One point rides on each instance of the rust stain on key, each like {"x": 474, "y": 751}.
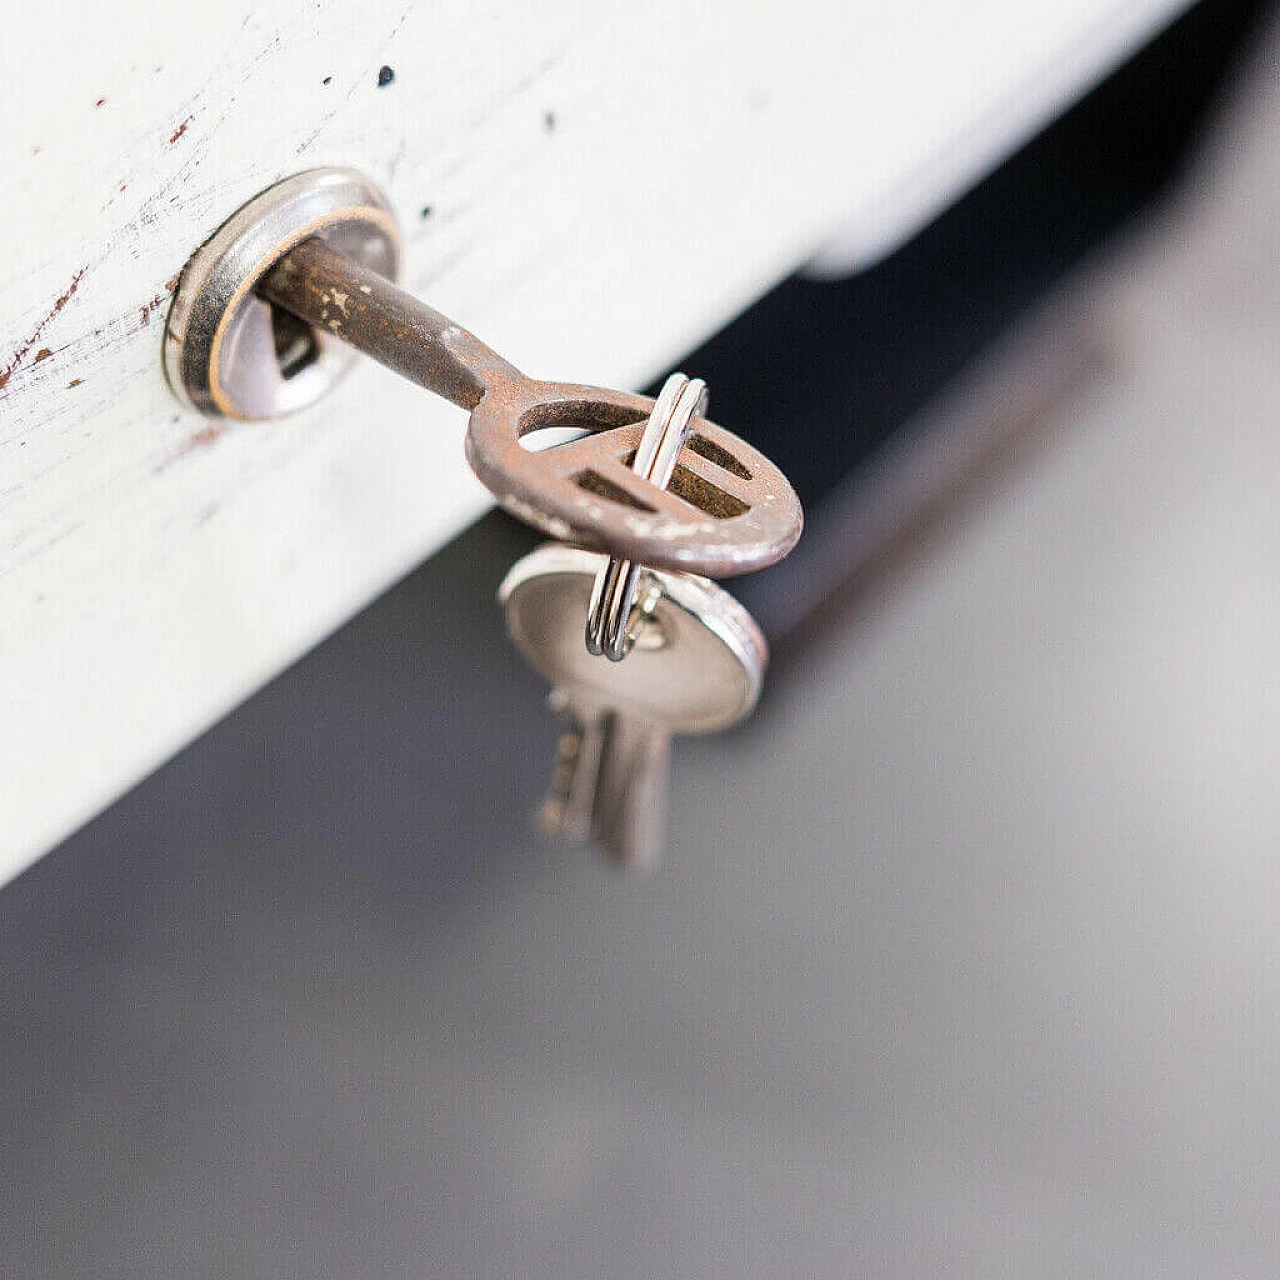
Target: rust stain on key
{"x": 728, "y": 509}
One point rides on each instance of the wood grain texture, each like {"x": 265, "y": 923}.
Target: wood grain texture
{"x": 592, "y": 187}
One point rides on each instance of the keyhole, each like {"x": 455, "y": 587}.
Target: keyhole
{"x": 296, "y": 344}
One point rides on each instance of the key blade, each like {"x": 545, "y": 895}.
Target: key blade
{"x": 566, "y": 811}
{"x": 609, "y": 785}
{"x": 630, "y": 816}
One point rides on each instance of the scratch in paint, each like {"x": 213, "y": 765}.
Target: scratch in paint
{"x": 206, "y": 435}
{"x": 8, "y": 371}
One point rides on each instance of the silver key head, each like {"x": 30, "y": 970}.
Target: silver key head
{"x": 698, "y": 661}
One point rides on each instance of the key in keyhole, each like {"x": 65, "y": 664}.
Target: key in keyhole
{"x": 729, "y": 509}
{"x": 322, "y": 246}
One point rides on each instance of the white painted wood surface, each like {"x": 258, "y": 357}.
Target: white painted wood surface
{"x": 593, "y": 187}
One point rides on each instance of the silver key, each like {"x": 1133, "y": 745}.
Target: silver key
{"x": 696, "y": 666}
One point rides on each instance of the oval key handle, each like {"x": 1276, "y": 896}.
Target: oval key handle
{"x": 267, "y": 309}
{"x": 727, "y": 509}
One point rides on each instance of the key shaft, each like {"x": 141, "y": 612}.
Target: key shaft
{"x": 335, "y": 293}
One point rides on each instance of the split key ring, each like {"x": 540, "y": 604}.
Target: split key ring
{"x": 613, "y": 596}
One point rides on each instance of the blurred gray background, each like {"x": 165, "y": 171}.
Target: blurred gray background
{"x": 963, "y": 959}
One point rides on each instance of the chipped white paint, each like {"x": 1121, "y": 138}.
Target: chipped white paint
{"x": 592, "y": 187}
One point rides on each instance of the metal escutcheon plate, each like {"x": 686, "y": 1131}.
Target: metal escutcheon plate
{"x": 697, "y": 665}
{"x": 224, "y": 351}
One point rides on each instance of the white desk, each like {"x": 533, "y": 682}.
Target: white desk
{"x": 155, "y": 569}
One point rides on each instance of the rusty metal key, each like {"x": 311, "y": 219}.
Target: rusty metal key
{"x": 726, "y": 509}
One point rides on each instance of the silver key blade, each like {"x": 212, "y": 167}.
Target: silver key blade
{"x": 630, "y": 814}
{"x": 609, "y": 785}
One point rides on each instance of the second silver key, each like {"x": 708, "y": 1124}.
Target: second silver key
{"x": 697, "y": 667}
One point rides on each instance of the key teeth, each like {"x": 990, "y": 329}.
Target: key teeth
{"x": 556, "y": 815}
{"x": 608, "y": 788}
